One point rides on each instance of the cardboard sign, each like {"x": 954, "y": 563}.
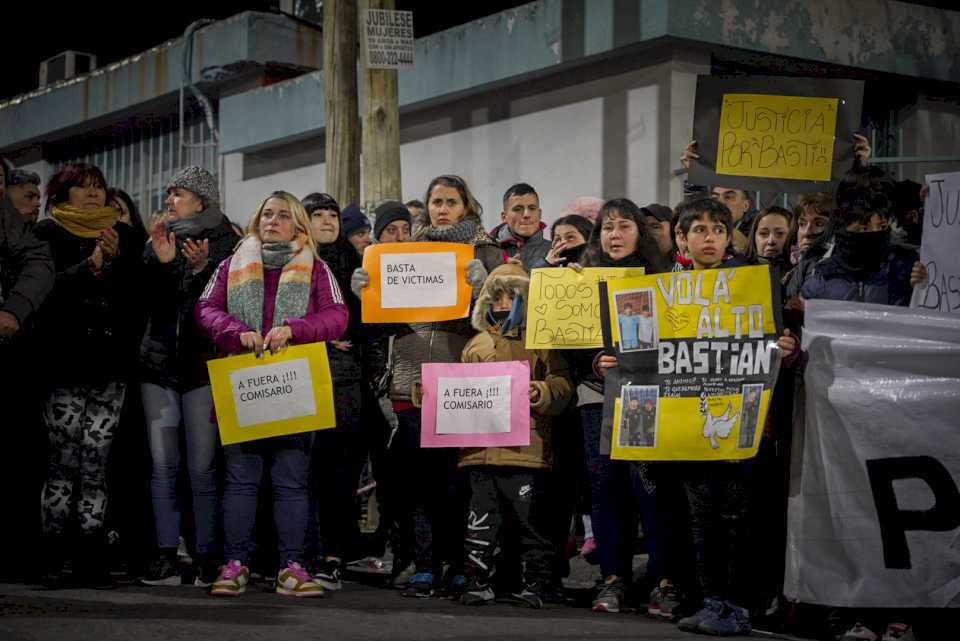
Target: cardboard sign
{"x": 416, "y": 282}
{"x": 564, "y": 307}
{"x": 475, "y": 404}
{"x": 791, "y": 135}
{"x": 941, "y": 233}
{"x": 696, "y": 372}
{"x": 286, "y": 393}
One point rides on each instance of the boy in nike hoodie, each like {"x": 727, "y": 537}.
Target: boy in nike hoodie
{"x": 508, "y": 484}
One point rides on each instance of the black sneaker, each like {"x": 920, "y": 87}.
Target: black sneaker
{"x": 328, "y": 575}
{"x": 207, "y": 573}
{"x": 161, "y": 572}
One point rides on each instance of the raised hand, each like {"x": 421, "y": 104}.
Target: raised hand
{"x": 164, "y": 244}
{"x": 196, "y": 253}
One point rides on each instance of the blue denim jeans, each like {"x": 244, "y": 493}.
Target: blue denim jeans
{"x": 288, "y": 458}
{"x": 167, "y": 412}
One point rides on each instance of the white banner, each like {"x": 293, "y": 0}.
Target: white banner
{"x": 874, "y": 501}
{"x": 941, "y": 236}
{"x": 273, "y": 392}
{"x": 418, "y": 280}
{"x": 474, "y": 405}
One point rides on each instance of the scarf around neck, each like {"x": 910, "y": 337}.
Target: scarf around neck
{"x": 245, "y": 280}
{"x": 464, "y": 231}
{"x": 85, "y": 223}
{"x": 193, "y": 227}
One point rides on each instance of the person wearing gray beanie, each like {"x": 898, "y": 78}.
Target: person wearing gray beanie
{"x": 386, "y": 214}
{"x": 199, "y": 181}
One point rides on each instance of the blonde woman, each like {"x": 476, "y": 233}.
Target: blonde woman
{"x": 274, "y": 291}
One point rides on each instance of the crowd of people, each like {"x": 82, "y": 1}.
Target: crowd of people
{"x": 107, "y": 324}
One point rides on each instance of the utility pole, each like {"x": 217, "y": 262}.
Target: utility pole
{"x": 340, "y": 98}
{"x": 381, "y": 125}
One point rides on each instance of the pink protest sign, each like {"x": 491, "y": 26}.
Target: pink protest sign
{"x": 476, "y": 404}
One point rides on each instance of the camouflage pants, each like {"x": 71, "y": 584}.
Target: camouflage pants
{"x": 80, "y": 422}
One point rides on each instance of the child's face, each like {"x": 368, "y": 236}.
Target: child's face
{"x": 504, "y": 303}
{"x": 634, "y": 403}
{"x": 628, "y": 311}
{"x": 876, "y": 222}
{"x": 707, "y": 242}
{"x": 810, "y": 227}
{"x": 648, "y": 405}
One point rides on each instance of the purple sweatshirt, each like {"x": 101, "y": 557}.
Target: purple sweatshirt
{"x": 325, "y": 320}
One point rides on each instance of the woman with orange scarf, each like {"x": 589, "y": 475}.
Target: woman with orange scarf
{"x": 87, "y": 338}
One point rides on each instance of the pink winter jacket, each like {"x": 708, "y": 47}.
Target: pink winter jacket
{"x": 325, "y": 320}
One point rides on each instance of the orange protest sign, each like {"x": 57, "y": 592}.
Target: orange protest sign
{"x": 416, "y": 282}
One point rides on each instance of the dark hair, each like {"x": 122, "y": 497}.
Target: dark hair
{"x": 7, "y": 168}
{"x": 647, "y": 250}
{"x": 16, "y": 177}
{"x": 317, "y": 200}
{"x": 520, "y": 189}
{"x": 456, "y": 182}
{"x": 72, "y": 175}
{"x": 692, "y": 210}
{"x": 115, "y": 193}
{"x": 583, "y": 225}
{"x": 751, "y": 254}
{"x": 414, "y": 203}
{"x": 863, "y": 192}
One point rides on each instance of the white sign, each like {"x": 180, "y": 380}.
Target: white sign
{"x": 874, "y": 518}
{"x": 273, "y": 392}
{"x": 475, "y": 405}
{"x": 941, "y": 235}
{"x": 388, "y": 38}
{"x": 418, "y": 280}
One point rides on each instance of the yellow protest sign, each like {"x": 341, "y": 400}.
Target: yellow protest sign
{"x": 773, "y": 136}
{"x": 697, "y": 363}
{"x": 563, "y": 311}
{"x": 416, "y": 282}
{"x": 284, "y": 393}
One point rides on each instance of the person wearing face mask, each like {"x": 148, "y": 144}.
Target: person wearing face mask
{"x": 86, "y": 330}
{"x": 274, "y": 291}
{"x": 185, "y": 247}
{"x": 862, "y": 264}
{"x": 569, "y": 234}
{"x": 620, "y": 238}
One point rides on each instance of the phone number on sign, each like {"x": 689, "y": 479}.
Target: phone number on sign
{"x": 391, "y": 58}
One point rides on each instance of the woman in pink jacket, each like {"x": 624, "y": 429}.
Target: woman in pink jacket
{"x": 272, "y": 292}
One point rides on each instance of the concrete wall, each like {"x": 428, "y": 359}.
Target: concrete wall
{"x": 931, "y": 128}
{"x": 615, "y": 136}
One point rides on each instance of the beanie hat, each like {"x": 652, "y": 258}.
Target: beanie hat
{"x": 199, "y": 181}
{"x": 388, "y": 212}
{"x": 660, "y": 212}
{"x": 353, "y": 221}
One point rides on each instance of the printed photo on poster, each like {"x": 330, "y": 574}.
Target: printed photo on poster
{"x": 636, "y": 312}
{"x": 749, "y": 414}
{"x": 640, "y": 406}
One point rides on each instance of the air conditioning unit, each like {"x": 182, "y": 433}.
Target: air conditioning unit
{"x": 66, "y": 65}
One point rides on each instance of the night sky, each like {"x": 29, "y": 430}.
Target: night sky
{"x": 29, "y": 35}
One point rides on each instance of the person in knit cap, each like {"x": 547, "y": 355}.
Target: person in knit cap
{"x": 391, "y": 222}
{"x": 86, "y": 331}
{"x": 356, "y": 228}
{"x": 185, "y": 246}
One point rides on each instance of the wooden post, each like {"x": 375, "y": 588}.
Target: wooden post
{"x": 381, "y": 125}
{"x": 340, "y": 98}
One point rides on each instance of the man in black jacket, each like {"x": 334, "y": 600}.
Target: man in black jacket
{"x": 26, "y": 271}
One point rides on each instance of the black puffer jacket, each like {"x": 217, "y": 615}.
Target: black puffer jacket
{"x": 345, "y": 367}
{"x": 26, "y": 269}
{"x": 87, "y": 329}
{"x": 174, "y": 352}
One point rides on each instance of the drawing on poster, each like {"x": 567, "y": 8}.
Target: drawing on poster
{"x": 716, "y": 426}
{"x": 640, "y": 405}
{"x": 749, "y": 414}
{"x": 637, "y": 320}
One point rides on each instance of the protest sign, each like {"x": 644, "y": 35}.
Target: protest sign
{"x": 284, "y": 393}
{"x": 564, "y": 307}
{"x": 697, "y": 360}
{"x": 772, "y": 133}
{"x": 475, "y": 404}
{"x": 416, "y": 282}
{"x": 941, "y": 237}
{"x": 874, "y": 508}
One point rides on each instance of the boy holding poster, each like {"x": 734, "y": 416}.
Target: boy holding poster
{"x": 718, "y": 492}
{"x": 508, "y": 483}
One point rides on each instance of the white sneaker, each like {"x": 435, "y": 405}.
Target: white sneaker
{"x": 294, "y": 580}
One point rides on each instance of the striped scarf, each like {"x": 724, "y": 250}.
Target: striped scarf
{"x": 245, "y": 280}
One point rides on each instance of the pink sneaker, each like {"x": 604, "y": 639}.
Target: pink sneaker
{"x": 232, "y": 581}
{"x": 589, "y": 549}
